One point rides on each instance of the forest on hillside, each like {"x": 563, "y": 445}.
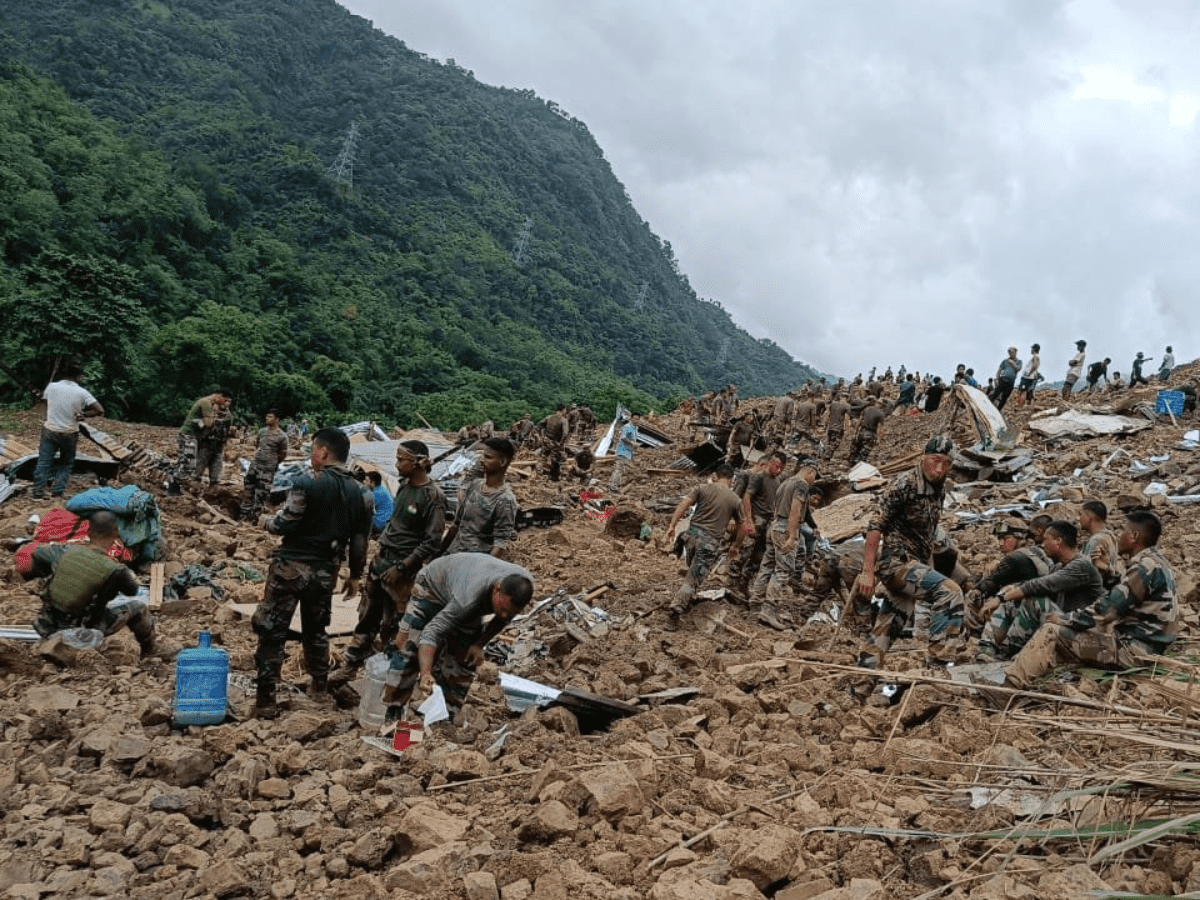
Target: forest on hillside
{"x": 169, "y": 214}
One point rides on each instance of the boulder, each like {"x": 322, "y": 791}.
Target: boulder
{"x": 548, "y": 822}
{"x": 426, "y": 826}
{"x": 611, "y": 791}
{"x": 766, "y": 855}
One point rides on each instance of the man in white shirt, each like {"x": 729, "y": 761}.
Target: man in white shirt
{"x": 67, "y": 402}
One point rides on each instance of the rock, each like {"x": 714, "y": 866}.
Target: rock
{"x": 520, "y": 889}
{"x": 370, "y": 849}
{"x": 426, "y": 826}
{"x": 306, "y": 726}
{"x": 154, "y": 711}
{"x": 274, "y": 789}
{"x": 480, "y": 886}
{"x": 49, "y": 697}
{"x": 107, "y": 814}
{"x": 183, "y": 856}
{"x": 264, "y": 827}
{"x": 861, "y": 889}
{"x": 616, "y": 867}
{"x": 340, "y": 801}
{"x": 612, "y": 791}
{"x": 222, "y": 879}
{"x": 427, "y": 873}
{"x": 712, "y": 765}
{"x": 463, "y": 765}
{"x": 766, "y": 854}
{"x": 176, "y": 764}
{"x": 548, "y": 822}
{"x": 805, "y": 890}
{"x": 127, "y": 749}
{"x": 682, "y": 884}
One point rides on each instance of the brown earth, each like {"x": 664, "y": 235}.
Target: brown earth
{"x": 786, "y": 773}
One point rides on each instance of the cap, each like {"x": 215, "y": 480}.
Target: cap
{"x": 1081, "y": 344}
{"x": 940, "y": 443}
{"x": 1004, "y": 528}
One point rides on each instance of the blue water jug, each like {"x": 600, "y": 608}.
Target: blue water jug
{"x": 201, "y": 677}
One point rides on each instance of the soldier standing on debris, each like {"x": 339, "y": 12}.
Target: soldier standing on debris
{"x": 555, "y": 428}
{"x": 1072, "y": 584}
{"x": 758, "y": 507}
{"x": 627, "y": 439}
{"x": 781, "y": 418}
{"x": 82, "y": 586}
{"x": 410, "y": 539}
{"x": 741, "y": 435}
{"x": 717, "y": 508}
{"x": 1101, "y": 547}
{"x": 326, "y": 514}
{"x": 210, "y": 444}
{"x": 67, "y": 401}
{"x": 1137, "y": 618}
{"x": 485, "y": 519}
{"x": 201, "y": 418}
{"x": 792, "y": 508}
{"x": 1074, "y": 369}
{"x": 442, "y": 632}
{"x": 898, "y": 551}
{"x": 271, "y": 450}
{"x": 868, "y": 431}
{"x": 838, "y": 410}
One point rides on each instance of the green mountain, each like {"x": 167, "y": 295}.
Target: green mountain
{"x": 173, "y": 211}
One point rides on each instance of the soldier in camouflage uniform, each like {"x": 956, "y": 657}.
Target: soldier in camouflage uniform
{"x": 717, "y": 507}
{"x": 1072, "y": 584}
{"x": 769, "y": 592}
{"x": 442, "y": 631}
{"x": 326, "y": 514}
{"x": 485, "y": 517}
{"x": 210, "y": 444}
{"x": 838, "y": 410}
{"x": 200, "y": 419}
{"x": 899, "y": 549}
{"x": 411, "y": 538}
{"x": 271, "y": 450}
{"x": 1137, "y": 618}
{"x": 1101, "y": 546}
{"x": 1023, "y": 560}
{"x": 758, "y": 509}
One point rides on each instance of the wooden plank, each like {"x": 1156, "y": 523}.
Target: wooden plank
{"x": 156, "y": 584}
{"x": 209, "y": 508}
{"x": 341, "y": 622}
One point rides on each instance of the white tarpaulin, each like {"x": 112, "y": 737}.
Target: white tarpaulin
{"x": 1074, "y": 423}
{"x": 988, "y": 419}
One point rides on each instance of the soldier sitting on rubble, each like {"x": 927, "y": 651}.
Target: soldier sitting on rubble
{"x": 1023, "y": 560}
{"x": 82, "y": 583}
{"x": 1136, "y": 619}
{"x": 1072, "y": 584}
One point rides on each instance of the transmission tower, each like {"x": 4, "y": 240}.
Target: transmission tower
{"x": 342, "y": 170}
{"x": 518, "y": 256}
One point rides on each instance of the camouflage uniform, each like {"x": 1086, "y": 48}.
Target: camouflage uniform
{"x": 907, "y": 518}
{"x": 1066, "y": 588}
{"x": 325, "y": 514}
{"x": 716, "y": 504}
{"x": 1138, "y": 617}
{"x": 445, "y": 610}
{"x": 1021, "y": 565}
{"x": 1101, "y": 548}
{"x": 189, "y": 435}
{"x": 210, "y": 446}
{"x": 486, "y": 519}
{"x": 81, "y": 590}
{"x": 272, "y": 449}
{"x": 779, "y": 566}
{"x": 762, "y": 489}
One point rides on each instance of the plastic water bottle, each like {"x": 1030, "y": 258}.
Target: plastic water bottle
{"x": 372, "y": 711}
{"x": 201, "y": 680}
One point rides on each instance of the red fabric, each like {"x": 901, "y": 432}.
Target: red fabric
{"x": 60, "y": 526}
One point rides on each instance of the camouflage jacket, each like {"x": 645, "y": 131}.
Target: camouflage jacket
{"x": 1022, "y": 564}
{"x": 907, "y": 518}
{"x": 1142, "y": 607}
{"x": 1101, "y": 548}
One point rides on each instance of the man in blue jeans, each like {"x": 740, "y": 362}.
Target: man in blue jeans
{"x": 67, "y": 402}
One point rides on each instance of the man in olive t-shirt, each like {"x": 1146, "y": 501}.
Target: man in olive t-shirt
{"x": 717, "y": 506}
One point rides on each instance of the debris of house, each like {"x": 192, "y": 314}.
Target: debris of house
{"x": 1078, "y": 424}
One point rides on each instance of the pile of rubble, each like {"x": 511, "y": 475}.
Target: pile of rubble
{"x": 758, "y": 763}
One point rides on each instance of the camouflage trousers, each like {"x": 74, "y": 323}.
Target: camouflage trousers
{"x": 185, "y": 465}
{"x": 745, "y": 567}
{"x": 210, "y": 458}
{"x": 256, "y": 493}
{"x": 131, "y": 612}
{"x": 778, "y": 567}
{"x": 1055, "y": 645}
{"x": 379, "y": 607}
{"x": 451, "y": 671}
{"x": 290, "y": 583}
{"x": 618, "y": 474}
{"x": 704, "y": 553}
{"x": 833, "y": 439}
{"x": 864, "y": 443}
{"x": 932, "y": 601}
{"x": 1012, "y": 625}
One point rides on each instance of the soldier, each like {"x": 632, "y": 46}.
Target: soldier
{"x": 485, "y": 518}
{"x": 741, "y": 435}
{"x": 1137, "y": 618}
{"x": 521, "y": 429}
{"x": 411, "y": 538}
{"x": 758, "y": 508}
{"x": 200, "y": 419}
{"x": 1072, "y": 584}
{"x": 868, "y": 431}
{"x": 210, "y": 443}
{"x": 1101, "y": 546}
{"x": 555, "y": 429}
{"x": 271, "y": 449}
{"x": 326, "y": 514}
{"x": 783, "y": 544}
{"x": 717, "y": 508}
{"x": 838, "y": 410}
{"x": 781, "y": 418}
{"x": 1023, "y": 560}
{"x": 898, "y": 551}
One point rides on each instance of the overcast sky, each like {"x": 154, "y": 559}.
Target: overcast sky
{"x": 866, "y": 183}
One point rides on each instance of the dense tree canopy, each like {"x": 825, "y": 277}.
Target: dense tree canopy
{"x": 167, "y": 213}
